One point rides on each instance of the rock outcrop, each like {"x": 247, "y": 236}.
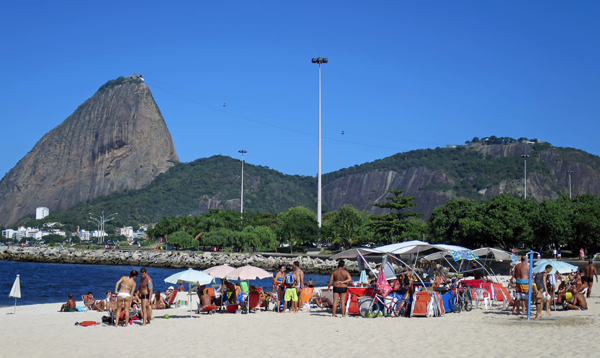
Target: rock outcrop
{"x": 114, "y": 141}
{"x": 168, "y": 259}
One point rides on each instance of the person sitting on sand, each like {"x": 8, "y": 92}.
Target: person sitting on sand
{"x": 69, "y": 306}
{"x": 578, "y": 303}
{"x": 111, "y": 302}
{"x": 262, "y": 298}
{"x": 158, "y": 302}
{"x": 320, "y": 301}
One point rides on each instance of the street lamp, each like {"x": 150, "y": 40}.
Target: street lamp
{"x": 242, "y": 199}
{"x": 319, "y": 60}
{"x": 569, "y": 172}
{"x": 100, "y": 221}
{"x": 525, "y": 156}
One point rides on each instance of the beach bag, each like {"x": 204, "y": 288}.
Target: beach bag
{"x": 290, "y": 279}
{"x": 383, "y": 287}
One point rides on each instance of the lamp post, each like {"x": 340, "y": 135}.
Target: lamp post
{"x": 100, "y": 221}
{"x": 242, "y": 195}
{"x": 320, "y": 61}
{"x": 525, "y": 156}
{"x": 569, "y": 172}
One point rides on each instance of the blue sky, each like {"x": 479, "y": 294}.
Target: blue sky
{"x": 401, "y": 75}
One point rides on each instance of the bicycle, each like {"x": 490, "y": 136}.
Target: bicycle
{"x": 369, "y": 307}
{"x": 463, "y": 300}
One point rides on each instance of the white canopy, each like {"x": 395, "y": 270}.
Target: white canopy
{"x": 444, "y": 251}
{"x": 499, "y": 255}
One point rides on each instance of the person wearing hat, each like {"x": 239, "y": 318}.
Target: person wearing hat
{"x": 169, "y": 294}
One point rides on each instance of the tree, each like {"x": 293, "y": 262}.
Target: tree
{"x": 498, "y": 224}
{"x": 551, "y": 223}
{"x": 444, "y": 224}
{"x": 347, "y": 226}
{"x": 586, "y": 222}
{"x": 299, "y": 225}
{"x": 183, "y": 240}
{"x": 53, "y": 239}
{"x": 399, "y": 225}
{"x": 259, "y": 237}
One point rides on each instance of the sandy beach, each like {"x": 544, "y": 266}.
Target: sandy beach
{"x": 40, "y": 331}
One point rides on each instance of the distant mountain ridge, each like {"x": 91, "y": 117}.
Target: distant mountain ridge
{"x": 114, "y": 141}
{"x": 477, "y": 171}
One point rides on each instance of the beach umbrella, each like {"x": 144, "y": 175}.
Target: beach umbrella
{"x": 190, "y": 276}
{"x": 219, "y": 271}
{"x": 16, "y": 291}
{"x": 248, "y": 272}
{"x": 557, "y": 266}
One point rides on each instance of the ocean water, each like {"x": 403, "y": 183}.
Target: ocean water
{"x": 52, "y": 283}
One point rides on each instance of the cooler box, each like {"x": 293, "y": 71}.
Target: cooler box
{"x": 232, "y": 308}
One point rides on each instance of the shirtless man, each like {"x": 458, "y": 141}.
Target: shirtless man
{"x": 124, "y": 295}
{"x": 299, "y": 277}
{"x": 279, "y": 285}
{"x": 146, "y": 292}
{"x": 521, "y": 275}
{"x": 69, "y": 306}
{"x": 340, "y": 278}
{"x": 579, "y": 302}
{"x": 228, "y": 287}
{"x": 590, "y": 272}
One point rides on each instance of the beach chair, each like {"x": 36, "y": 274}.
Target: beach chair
{"x": 327, "y": 293}
{"x": 253, "y": 300}
{"x": 305, "y": 296}
{"x": 481, "y": 295}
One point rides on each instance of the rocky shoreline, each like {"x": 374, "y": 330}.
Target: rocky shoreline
{"x": 166, "y": 259}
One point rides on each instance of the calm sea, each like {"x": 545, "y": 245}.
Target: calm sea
{"x": 49, "y": 283}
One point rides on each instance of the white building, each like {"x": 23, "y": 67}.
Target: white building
{"x": 99, "y": 233}
{"x": 41, "y": 212}
{"x": 84, "y": 235}
{"x": 21, "y": 232}
{"x": 126, "y": 231}
{"x": 8, "y": 233}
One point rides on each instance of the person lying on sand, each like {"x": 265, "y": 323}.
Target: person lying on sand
{"x": 91, "y": 303}
{"x": 69, "y": 306}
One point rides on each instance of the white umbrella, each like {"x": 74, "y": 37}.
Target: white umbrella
{"x": 248, "y": 272}
{"x": 219, "y": 271}
{"x": 190, "y": 276}
{"x": 16, "y": 291}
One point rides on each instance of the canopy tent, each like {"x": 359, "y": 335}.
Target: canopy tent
{"x": 190, "y": 276}
{"x": 220, "y": 271}
{"x": 499, "y": 255}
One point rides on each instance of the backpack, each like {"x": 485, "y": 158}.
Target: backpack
{"x": 290, "y": 279}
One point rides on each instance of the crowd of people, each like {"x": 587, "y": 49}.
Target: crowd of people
{"x": 571, "y": 291}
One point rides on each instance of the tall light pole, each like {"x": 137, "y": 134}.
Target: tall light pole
{"x": 100, "y": 221}
{"x": 319, "y": 60}
{"x": 569, "y": 172}
{"x": 242, "y": 196}
{"x": 525, "y": 156}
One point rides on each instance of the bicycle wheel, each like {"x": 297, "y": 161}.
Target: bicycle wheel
{"x": 468, "y": 302}
{"x": 368, "y": 309}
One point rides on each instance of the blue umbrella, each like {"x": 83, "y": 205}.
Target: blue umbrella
{"x": 560, "y": 266}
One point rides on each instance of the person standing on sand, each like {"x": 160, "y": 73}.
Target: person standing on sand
{"x": 299, "y": 277}
{"x": 340, "y": 278}
{"x": 124, "y": 295}
{"x": 521, "y": 276}
{"x": 541, "y": 280}
{"x": 590, "y": 272}
{"x": 291, "y": 282}
{"x": 146, "y": 291}
{"x": 581, "y": 254}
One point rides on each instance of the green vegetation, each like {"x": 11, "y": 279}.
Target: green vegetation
{"x": 507, "y": 221}
{"x": 400, "y": 224}
{"x": 119, "y": 81}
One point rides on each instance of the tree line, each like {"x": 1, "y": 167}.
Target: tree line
{"x": 503, "y": 222}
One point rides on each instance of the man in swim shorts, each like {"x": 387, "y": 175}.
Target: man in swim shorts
{"x": 290, "y": 291}
{"x": 299, "y": 277}
{"x": 590, "y": 272}
{"x": 146, "y": 292}
{"x": 521, "y": 275}
{"x": 69, "y": 306}
{"x": 340, "y": 278}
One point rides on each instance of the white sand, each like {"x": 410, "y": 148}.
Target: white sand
{"x": 40, "y": 331}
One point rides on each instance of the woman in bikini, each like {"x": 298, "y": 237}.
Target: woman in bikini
{"x": 124, "y": 295}
{"x": 278, "y": 285}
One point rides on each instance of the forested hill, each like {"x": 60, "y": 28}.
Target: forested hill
{"x": 477, "y": 171}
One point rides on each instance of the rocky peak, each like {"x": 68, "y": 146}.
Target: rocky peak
{"x": 116, "y": 140}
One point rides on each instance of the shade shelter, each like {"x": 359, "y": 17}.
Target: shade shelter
{"x": 190, "y": 276}
{"x": 248, "y": 273}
